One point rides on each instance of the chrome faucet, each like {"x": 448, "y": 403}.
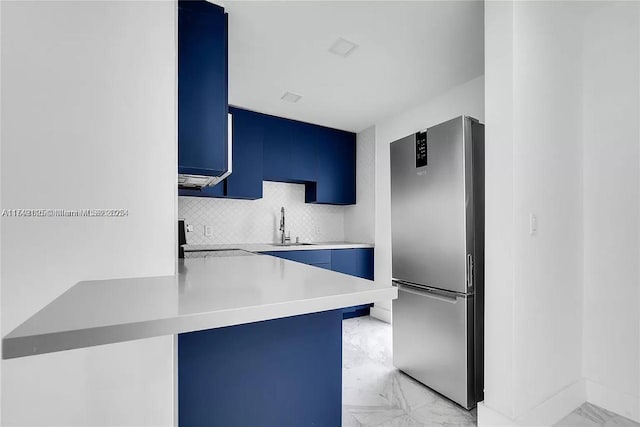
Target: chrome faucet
{"x": 284, "y": 239}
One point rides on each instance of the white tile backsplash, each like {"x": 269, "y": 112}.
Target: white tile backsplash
{"x": 257, "y": 221}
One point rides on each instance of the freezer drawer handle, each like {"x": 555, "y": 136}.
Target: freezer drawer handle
{"x": 424, "y": 292}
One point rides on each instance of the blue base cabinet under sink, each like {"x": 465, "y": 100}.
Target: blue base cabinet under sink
{"x": 317, "y": 258}
{"x": 354, "y": 262}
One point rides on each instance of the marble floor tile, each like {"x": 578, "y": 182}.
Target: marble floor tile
{"x": 402, "y": 421}
{"x": 375, "y": 393}
{"x": 589, "y": 415}
{"x": 443, "y": 413}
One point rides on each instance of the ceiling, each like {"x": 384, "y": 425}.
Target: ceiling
{"x": 408, "y": 52}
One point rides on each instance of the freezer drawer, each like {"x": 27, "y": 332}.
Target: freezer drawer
{"x": 433, "y": 340}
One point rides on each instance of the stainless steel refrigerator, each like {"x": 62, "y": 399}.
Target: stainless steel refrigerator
{"x": 437, "y": 229}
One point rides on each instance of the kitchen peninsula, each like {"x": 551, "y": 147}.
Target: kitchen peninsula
{"x": 251, "y": 327}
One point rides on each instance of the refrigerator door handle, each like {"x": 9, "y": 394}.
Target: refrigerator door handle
{"x": 445, "y": 296}
{"x": 469, "y": 270}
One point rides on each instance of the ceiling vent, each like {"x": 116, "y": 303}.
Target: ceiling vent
{"x": 291, "y": 97}
{"x": 342, "y": 47}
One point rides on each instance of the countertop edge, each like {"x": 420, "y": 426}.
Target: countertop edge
{"x": 14, "y": 347}
{"x": 270, "y": 247}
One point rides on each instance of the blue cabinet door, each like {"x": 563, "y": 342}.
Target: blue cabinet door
{"x": 336, "y": 168}
{"x": 283, "y": 372}
{"x": 276, "y": 154}
{"x": 289, "y": 153}
{"x": 245, "y": 182}
{"x": 302, "y": 145}
{"x": 355, "y": 262}
{"x": 202, "y": 88}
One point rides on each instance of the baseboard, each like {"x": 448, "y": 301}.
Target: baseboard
{"x": 488, "y": 417}
{"x": 546, "y": 413}
{"x": 380, "y": 313}
{"x": 623, "y": 404}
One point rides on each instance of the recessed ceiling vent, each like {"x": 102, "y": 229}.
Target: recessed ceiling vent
{"x": 343, "y": 47}
{"x": 291, "y": 97}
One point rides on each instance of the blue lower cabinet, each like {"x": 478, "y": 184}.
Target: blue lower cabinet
{"x": 354, "y": 262}
{"x": 325, "y": 265}
{"x": 306, "y": 257}
{"x": 280, "y": 373}
{"x": 356, "y": 311}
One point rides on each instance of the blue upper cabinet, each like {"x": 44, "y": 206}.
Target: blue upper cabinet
{"x": 289, "y": 154}
{"x": 336, "y": 168}
{"x": 303, "y": 145}
{"x": 246, "y": 180}
{"x": 277, "y": 156}
{"x": 272, "y": 148}
{"x": 322, "y": 158}
{"x": 202, "y": 89}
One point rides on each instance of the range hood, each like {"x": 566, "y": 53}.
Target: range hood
{"x": 198, "y": 182}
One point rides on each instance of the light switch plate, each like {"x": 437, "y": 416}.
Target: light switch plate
{"x": 208, "y": 231}
{"x": 533, "y": 224}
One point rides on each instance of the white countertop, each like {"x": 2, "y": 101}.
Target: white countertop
{"x": 206, "y": 293}
{"x": 266, "y": 247}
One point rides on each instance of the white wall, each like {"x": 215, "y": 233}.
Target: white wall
{"x": 547, "y": 183}
{"x": 466, "y": 99}
{"x": 88, "y": 121}
{"x": 499, "y": 229}
{"x": 562, "y": 143}
{"x": 359, "y": 219}
{"x": 533, "y": 309}
{"x": 611, "y": 156}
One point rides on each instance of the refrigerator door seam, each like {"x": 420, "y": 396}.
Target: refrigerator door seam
{"x": 451, "y": 294}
